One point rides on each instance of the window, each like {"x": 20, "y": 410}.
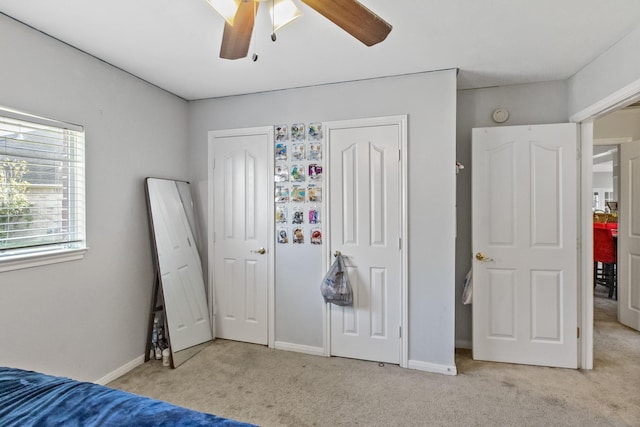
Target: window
{"x": 42, "y": 205}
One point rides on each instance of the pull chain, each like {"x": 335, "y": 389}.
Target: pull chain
{"x": 254, "y": 57}
{"x": 273, "y": 20}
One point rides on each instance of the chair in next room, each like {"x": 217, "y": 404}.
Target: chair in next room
{"x": 604, "y": 260}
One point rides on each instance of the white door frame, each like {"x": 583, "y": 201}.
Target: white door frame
{"x": 269, "y": 211}
{"x": 401, "y": 121}
{"x": 609, "y": 104}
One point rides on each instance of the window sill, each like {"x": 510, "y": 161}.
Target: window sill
{"x": 18, "y": 262}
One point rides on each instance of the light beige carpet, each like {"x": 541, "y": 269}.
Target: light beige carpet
{"x": 278, "y": 388}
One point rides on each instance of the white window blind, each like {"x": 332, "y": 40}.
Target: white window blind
{"x": 42, "y": 194}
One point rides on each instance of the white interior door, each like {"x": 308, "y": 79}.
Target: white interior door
{"x": 629, "y": 236}
{"x": 525, "y": 244}
{"x": 365, "y": 226}
{"x": 179, "y": 264}
{"x": 241, "y": 255}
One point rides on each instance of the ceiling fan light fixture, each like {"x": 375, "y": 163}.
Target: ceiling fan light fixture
{"x": 350, "y": 15}
{"x": 283, "y": 12}
{"x": 226, "y": 8}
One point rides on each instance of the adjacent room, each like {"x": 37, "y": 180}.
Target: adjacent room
{"x": 178, "y": 178}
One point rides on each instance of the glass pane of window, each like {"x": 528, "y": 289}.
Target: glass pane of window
{"x": 41, "y": 186}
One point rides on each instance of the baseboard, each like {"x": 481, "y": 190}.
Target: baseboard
{"x": 298, "y": 348}
{"x": 433, "y": 367}
{"x": 121, "y": 371}
{"x": 466, "y": 344}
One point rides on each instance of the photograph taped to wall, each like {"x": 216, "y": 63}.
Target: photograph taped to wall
{"x": 282, "y": 194}
{"x": 315, "y": 131}
{"x": 298, "y": 235}
{"x": 316, "y": 236}
{"x": 281, "y": 151}
{"x": 314, "y": 193}
{"x": 297, "y": 132}
{"x": 281, "y": 133}
{"x": 314, "y": 215}
{"x": 282, "y": 173}
{"x": 281, "y": 213}
{"x": 297, "y": 151}
{"x": 298, "y": 215}
{"x": 297, "y": 173}
{"x": 315, "y": 151}
{"x": 298, "y": 194}
{"x": 315, "y": 172}
{"x": 282, "y": 235}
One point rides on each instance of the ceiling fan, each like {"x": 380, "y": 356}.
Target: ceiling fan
{"x": 350, "y": 15}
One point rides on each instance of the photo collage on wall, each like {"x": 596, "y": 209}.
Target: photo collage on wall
{"x": 298, "y": 183}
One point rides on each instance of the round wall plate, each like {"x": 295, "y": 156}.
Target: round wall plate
{"x": 500, "y": 115}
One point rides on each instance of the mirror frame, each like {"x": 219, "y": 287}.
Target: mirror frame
{"x": 158, "y": 304}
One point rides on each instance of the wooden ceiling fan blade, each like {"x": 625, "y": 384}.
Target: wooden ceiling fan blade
{"x": 237, "y": 37}
{"x": 354, "y": 18}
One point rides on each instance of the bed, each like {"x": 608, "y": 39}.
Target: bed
{"x": 30, "y": 398}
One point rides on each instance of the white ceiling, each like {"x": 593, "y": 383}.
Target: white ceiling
{"x": 174, "y": 44}
{"x": 606, "y": 167}
{"x": 603, "y": 156}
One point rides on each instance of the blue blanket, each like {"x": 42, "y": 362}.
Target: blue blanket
{"x": 33, "y": 399}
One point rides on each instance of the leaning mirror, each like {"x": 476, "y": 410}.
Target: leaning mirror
{"x": 179, "y": 291}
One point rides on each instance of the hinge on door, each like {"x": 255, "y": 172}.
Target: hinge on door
{"x": 400, "y": 243}
{"x": 578, "y": 332}
{"x": 400, "y": 331}
{"x": 399, "y": 155}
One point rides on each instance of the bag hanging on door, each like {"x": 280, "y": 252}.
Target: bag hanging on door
{"x": 335, "y": 287}
{"x": 467, "y": 288}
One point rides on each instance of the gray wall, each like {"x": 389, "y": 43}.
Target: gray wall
{"x": 429, "y": 100}
{"x": 620, "y": 124}
{"x": 527, "y": 104}
{"x": 612, "y": 71}
{"x": 603, "y": 180}
{"x": 86, "y": 318}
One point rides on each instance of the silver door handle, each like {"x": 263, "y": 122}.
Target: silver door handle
{"x": 260, "y": 251}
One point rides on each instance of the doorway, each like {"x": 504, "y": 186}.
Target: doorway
{"x": 615, "y": 102}
{"x": 605, "y": 191}
{"x": 605, "y": 216}
{"x": 611, "y": 312}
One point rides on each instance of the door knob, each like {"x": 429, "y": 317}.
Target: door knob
{"x": 260, "y": 251}
{"x": 482, "y": 257}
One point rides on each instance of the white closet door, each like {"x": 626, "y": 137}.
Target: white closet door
{"x": 242, "y": 252}
{"x": 365, "y": 225}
